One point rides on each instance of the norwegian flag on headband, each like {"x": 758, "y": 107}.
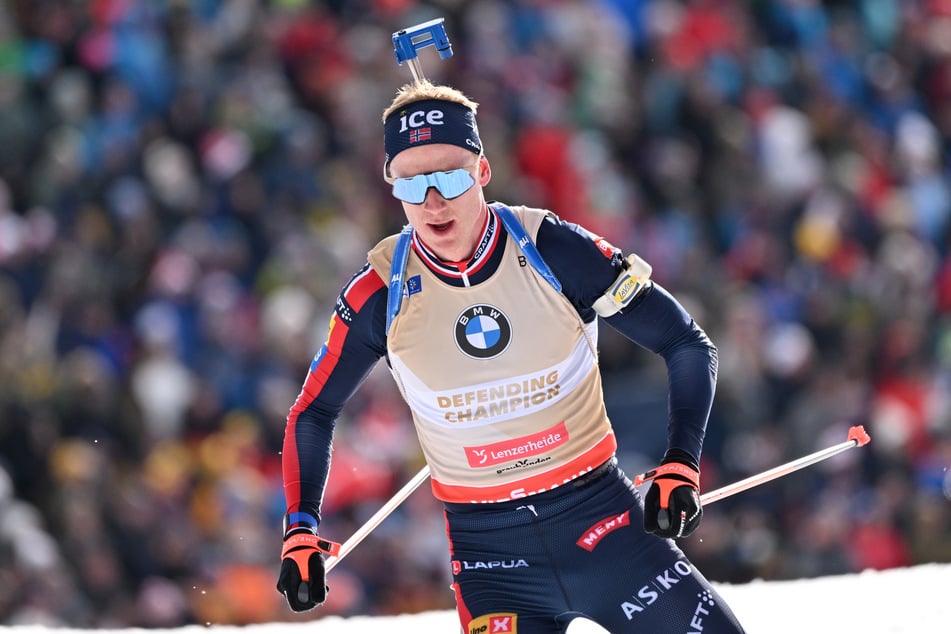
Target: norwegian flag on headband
{"x": 420, "y": 134}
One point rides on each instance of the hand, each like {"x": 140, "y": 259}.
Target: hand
{"x": 672, "y": 504}
{"x": 302, "y": 580}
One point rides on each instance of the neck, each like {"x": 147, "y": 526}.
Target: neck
{"x": 484, "y": 245}
{"x": 475, "y": 242}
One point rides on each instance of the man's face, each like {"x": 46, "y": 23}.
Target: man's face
{"x": 451, "y": 228}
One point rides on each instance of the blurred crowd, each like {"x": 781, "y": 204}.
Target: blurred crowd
{"x": 186, "y": 185}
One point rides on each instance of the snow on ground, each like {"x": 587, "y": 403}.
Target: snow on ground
{"x": 912, "y": 600}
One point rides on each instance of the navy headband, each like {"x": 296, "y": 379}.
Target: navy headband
{"x": 430, "y": 121}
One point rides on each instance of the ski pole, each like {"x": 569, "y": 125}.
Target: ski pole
{"x": 858, "y": 437}
{"x": 398, "y": 498}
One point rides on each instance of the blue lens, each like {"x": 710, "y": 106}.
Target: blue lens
{"x": 449, "y": 184}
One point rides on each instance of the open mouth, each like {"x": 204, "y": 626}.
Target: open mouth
{"x": 441, "y": 227}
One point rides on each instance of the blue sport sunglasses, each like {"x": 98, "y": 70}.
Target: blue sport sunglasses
{"x": 451, "y": 184}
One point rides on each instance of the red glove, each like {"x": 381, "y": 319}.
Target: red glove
{"x": 672, "y": 504}
{"x": 302, "y": 580}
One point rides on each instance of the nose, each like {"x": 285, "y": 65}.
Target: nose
{"x": 433, "y": 198}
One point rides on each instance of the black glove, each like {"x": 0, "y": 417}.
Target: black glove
{"x": 302, "y": 580}
{"x": 672, "y": 504}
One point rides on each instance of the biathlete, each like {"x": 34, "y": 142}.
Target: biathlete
{"x": 486, "y": 315}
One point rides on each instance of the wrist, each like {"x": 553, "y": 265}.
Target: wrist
{"x": 300, "y": 521}
{"x": 681, "y": 456}
{"x": 300, "y": 530}
{"x": 676, "y": 471}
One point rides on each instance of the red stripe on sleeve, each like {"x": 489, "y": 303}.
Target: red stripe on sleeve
{"x": 355, "y": 295}
{"x": 361, "y": 288}
{"x": 313, "y": 384}
{"x": 317, "y": 378}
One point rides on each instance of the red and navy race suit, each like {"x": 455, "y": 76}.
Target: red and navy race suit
{"x": 527, "y": 560}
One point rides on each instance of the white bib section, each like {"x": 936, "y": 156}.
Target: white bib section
{"x": 492, "y": 402}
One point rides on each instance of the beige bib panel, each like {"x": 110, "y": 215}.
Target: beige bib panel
{"x": 501, "y": 377}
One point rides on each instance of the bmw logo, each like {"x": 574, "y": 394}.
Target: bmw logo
{"x": 483, "y": 331}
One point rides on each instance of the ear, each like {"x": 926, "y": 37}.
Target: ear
{"x": 485, "y": 171}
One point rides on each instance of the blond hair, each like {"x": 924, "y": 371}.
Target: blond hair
{"x": 423, "y": 90}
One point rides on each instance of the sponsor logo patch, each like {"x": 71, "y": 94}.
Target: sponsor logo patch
{"x": 483, "y": 331}
{"x": 517, "y": 448}
{"x": 606, "y": 248}
{"x": 344, "y": 310}
{"x": 625, "y": 290}
{"x": 591, "y": 537}
{"x": 413, "y": 285}
{"x": 655, "y": 588}
{"x": 459, "y": 565}
{"x": 500, "y": 622}
{"x": 317, "y": 357}
{"x": 420, "y": 118}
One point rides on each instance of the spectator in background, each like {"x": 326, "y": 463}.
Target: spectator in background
{"x": 184, "y": 187}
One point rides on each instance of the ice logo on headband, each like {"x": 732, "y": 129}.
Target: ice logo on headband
{"x": 416, "y": 121}
{"x": 430, "y": 121}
